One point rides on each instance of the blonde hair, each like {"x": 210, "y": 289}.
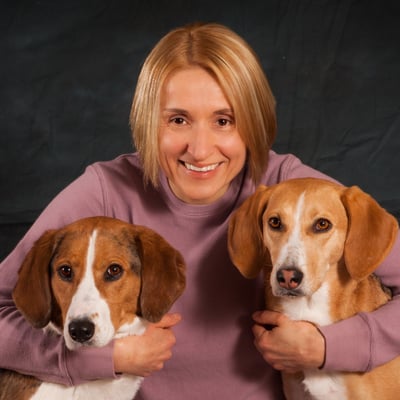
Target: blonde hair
{"x": 235, "y": 66}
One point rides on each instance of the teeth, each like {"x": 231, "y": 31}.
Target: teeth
{"x": 202, "y": 169}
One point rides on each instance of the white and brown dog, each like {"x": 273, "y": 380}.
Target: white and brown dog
{"x": 96, "y": 279}
{"x": 318, "y": 244}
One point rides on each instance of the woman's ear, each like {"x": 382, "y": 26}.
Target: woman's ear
{"x": 245, "y": 234}
{"x": 371, "y": 233}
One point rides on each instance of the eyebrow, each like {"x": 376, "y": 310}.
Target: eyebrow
{"x": 182, "y": 111}
{"x": 224, "y": 111}
{"x": 175, "y": 110}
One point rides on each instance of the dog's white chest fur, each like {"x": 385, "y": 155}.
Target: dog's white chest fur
{"x": 314, "y": 309}
{"x": 320, "y": 385}
{"x": 116, "y": 389}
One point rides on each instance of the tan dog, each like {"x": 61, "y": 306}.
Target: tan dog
{"x": 94, "y": 280}
{"x": 318, "y": 244}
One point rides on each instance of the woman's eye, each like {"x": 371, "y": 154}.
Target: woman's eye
{"x": 322, "y": 225}
{"x": 275, "y": 223}
{"x": 113, "y": 272}
{"x": 177, "y": 120}
{"x": 223, "y": 122}
{"x": 65, "y": 273}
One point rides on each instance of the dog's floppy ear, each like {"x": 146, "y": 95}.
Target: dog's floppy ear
{"x": 162, "y": 274}
{"x": 371, "y": 233}
{"x": 32, "y": 293}
{"x": 245, "y": 234}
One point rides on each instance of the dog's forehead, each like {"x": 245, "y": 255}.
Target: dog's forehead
{"x": 111, "y": 241}
{"x": 68, "y": 238}
{"x": 111, "y": 237}
{"x": 90, "y": 223}
{"x": 311, "y": 194}
{"x": 104, "y": 226}
{"x": 300, "y": 185}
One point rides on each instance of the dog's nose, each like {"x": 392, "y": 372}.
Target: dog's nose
{"x": 289, "y": 278}
{"x": 81, "y": 330}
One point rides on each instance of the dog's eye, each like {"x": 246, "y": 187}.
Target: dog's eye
{"x": 322, "y": 225}
{"x": 114, "y": 272}
{"x": 65, "y": 273}
{"x": 275, "y": 223}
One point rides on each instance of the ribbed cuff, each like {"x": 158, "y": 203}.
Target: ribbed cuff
{"x": 89, "y": 363}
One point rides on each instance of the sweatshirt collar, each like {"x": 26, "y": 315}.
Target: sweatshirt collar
{"x": 223, "y": 206}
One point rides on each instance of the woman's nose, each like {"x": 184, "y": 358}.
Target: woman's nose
{"x": 201, "y": 142}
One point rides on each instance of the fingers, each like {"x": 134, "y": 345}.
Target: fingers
{"x": 168, "y": 321}
{"x": 289, "y": 346}
{"x": 258, "y": 331}
{"x": 145, "y": 354}
{"x": 270, "y": 318}
{"x": 266, "y": 344}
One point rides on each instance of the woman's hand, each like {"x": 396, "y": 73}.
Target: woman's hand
{"x": 142, "y": 355}
{"x": 290, "y": 345}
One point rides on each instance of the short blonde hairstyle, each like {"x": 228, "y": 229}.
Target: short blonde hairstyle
{"x": 235, "y": 66}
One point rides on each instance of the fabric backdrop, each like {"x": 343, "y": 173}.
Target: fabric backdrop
{"x": 68, "y": 71}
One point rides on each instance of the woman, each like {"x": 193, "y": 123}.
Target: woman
{"x": 203, "y": 121}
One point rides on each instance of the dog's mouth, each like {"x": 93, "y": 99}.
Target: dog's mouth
{"x": 282, "y": 292}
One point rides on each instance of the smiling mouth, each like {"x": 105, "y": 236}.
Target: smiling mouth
{"x": 206, "y": 168}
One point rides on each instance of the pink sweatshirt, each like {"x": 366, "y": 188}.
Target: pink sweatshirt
{"x": 214, "y": 357}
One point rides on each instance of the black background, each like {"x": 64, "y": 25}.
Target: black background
{"x": 68, "y": 70}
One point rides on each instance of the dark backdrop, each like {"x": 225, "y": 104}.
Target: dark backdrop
{"x": 68, "y": 70}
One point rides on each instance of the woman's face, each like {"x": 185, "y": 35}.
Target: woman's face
{"x": 200, "y": 148}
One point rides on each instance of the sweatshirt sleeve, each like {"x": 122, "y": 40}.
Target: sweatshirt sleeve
{"x": 32, "y": 351}
{"x": 366, "y": 340}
